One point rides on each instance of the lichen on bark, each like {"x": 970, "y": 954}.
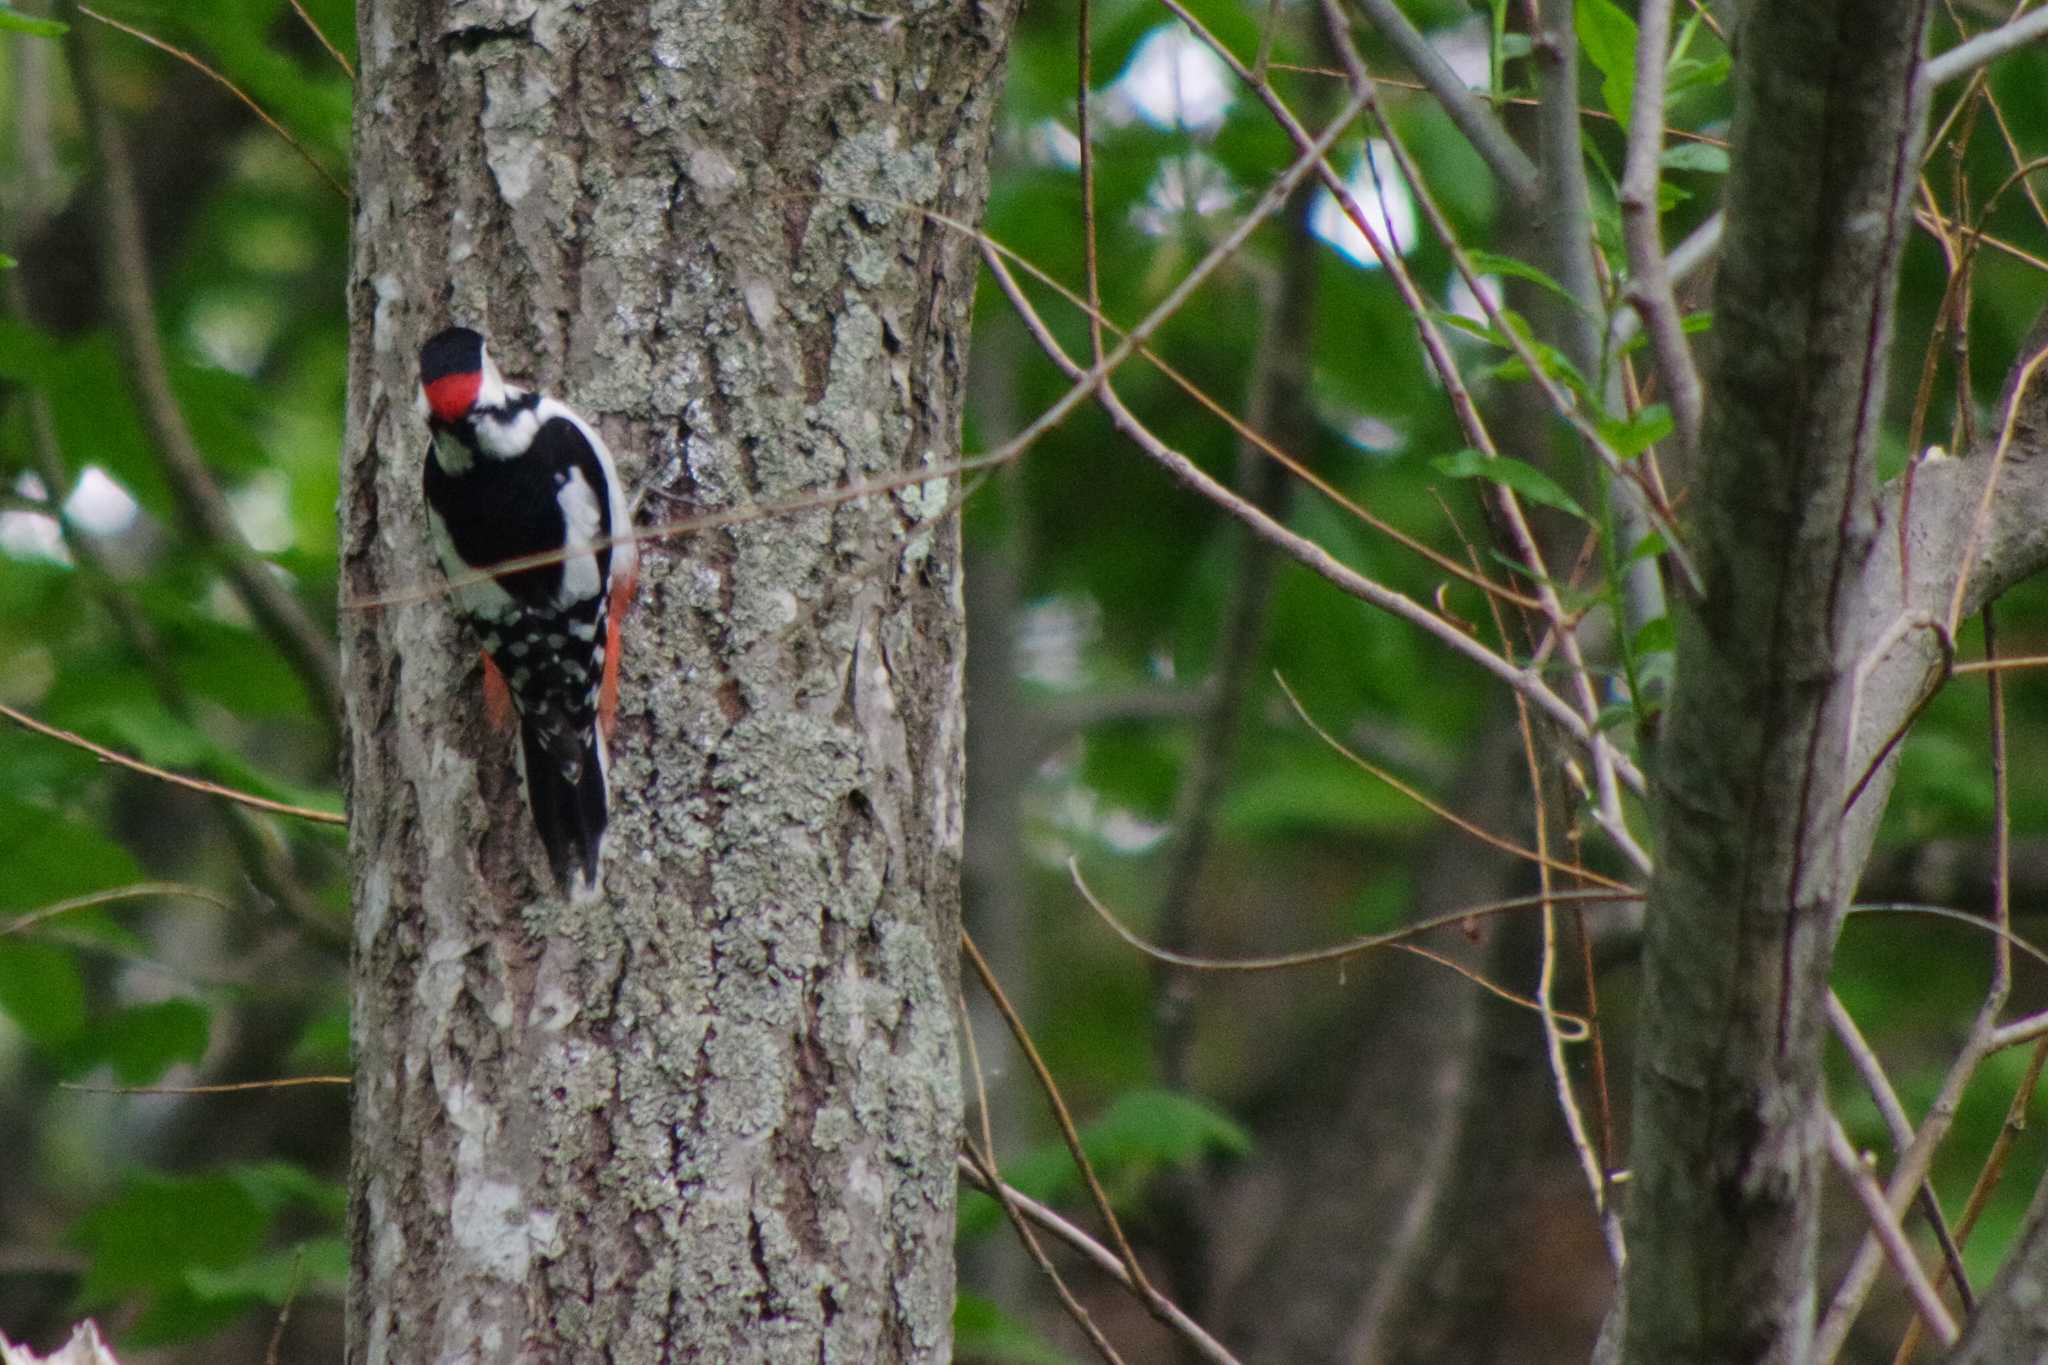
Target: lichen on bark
{"x": 714, "y": 1118}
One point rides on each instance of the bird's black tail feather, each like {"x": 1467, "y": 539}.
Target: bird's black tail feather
{"x": 569, "y": 813}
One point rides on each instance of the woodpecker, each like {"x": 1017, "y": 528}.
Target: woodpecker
{"x": 510, "y": 474}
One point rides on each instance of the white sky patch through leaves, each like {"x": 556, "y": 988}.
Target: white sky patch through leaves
{"x": 1388, "y": 208}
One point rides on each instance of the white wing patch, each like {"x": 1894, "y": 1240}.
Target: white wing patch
{"x": 625, "y": 554}
{"x": 583, "y": 525}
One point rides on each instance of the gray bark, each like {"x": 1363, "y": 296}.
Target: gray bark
{"x": 1754, "y": 860}
{"x": 715, "y": 1116}
{"x": 2011, "y": 1322}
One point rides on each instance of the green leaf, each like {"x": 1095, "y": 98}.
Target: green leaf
{"x": 1632, "y": 436}
{"x": 277, "y": 1277}
{"x": 274, "y": 1184}
{"x": 7, "y": 262}
{"x": 42, "y": 991}
{"x": 1552, "y": 360}
{"x": 1696, "y": 75}
{"x": 151, "y": 1234}
{"x": 323, "y": 1044}
{"x": 1493, "y": 263}
{"x": 1525, "y": 479}
{"x": 1142, "y": 1133}
{"x": 1473, "y": 327}
{"x": 1649, "y": 547}
{"x": 142, "y": 1042}
{"x": 1322, "y": 793}
{"x": 1703, "y": 157}
{"x": 14, "y": 21}
{"x": 177, "y": 1315}
{"x": 1152, "y": 1128}
{"x": 983, "y": 1331}
{"x": 51, "y": 857}
{"x": 1655, "y": 635}
{"x": 1609, "y": 37}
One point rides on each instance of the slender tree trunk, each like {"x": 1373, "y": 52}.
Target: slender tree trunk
{"x": 714, "y": 1116}
{"x": 1755, "y": 865}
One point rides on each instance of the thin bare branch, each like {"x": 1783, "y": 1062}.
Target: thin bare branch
{"x": 229, "y": 1088}
{"x": 1865, "y": 1060}
{"x": 1885, "y": 1225}
{"x": 1106, "y": 1261}
{"x": 1967, "y": 560}
{"x": 2026, "y": 1029}
{"x": 1394, "y": 938}
{"x": 1984, "y": 49}
{"x": 1987, "y": 1182}
{"x": 105, "y": 755}
{"x": 1590, "y": 1165}
{"x": 325, "y": 41}
{"x": 999, "y": 259}
{"x": 1510, "y": 165}
{"x": 1521, "y": 542}
{"x": 22, "y": 923}
{"x": 1065, "y": 1120}
{"x": 1680, "y": 264}
{"x": 1440, "y": 811}
{"x": 986, "y": 1178}
{"x": 1314, "y": 557}
{"x": 1573, "y": 242}
{"x": 233, "y": 89}
{"x": 1650, "y": 289}
{"x": 1977, "y": 922}
{"x": 2005, "y": 665}
{"x": 1909, "y": 1173}
{"x": 1085, "y": 134}
{"x": 2001, "y": 820}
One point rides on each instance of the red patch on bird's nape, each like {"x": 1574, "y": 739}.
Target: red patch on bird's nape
{"x": 452, "y": 395}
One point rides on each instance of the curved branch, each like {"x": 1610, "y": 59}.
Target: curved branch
{"x": 1509, "y": 163}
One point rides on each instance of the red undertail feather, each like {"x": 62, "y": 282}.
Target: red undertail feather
{"x": 499, "y": 708}
{"x": 608, "y": 693}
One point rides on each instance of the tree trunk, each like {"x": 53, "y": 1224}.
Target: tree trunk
{"x": 715, "y": 1115}
{"x": 1755, "y": 864}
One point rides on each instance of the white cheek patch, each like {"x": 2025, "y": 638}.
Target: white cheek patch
{"x": 507, "y": 439}
{"x": 582, "y": 519}
{"x": 492, "y": 392}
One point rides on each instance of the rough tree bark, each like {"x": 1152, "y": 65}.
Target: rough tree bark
{"x": 714, "y": 1117}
